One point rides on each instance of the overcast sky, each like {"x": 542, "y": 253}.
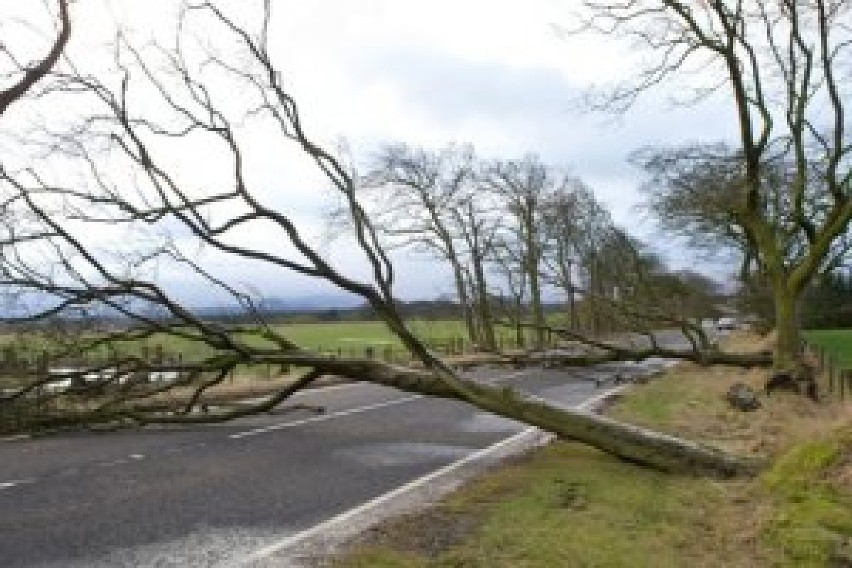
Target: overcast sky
{"x": 495, "y": 74}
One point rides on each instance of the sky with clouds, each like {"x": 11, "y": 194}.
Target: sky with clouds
{"x": 499, "y": 75}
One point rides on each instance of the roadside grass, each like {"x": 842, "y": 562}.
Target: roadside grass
{"x": 836, "y": 341}
{"x": 570, "y": 505}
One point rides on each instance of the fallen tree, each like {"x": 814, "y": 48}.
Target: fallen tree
{"x": 49, "y": 255}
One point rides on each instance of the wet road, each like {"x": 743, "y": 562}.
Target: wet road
{"x": 211, "y": 495}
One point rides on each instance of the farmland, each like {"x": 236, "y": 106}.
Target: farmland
{"x": 342, "y": 339}
{"x": 837, "y": 342}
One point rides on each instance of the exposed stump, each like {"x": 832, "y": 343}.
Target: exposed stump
{"x": 742, "y": 397}
{"x": 782, "y": 381}
{"x": 801, "y": 382}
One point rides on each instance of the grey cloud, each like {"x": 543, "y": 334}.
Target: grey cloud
{"x": 452, "y": 89}
{"x": 541, "y": 109}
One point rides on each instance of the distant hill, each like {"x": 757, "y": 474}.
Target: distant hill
{"x": 305, "y": 303}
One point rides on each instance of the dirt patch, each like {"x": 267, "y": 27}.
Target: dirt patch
{"x": 427, "y": 533}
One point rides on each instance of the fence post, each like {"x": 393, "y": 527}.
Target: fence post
{"x": 43, "y": 362}
{"x": 848, "y": 380}
{"x": 832, "y": 366}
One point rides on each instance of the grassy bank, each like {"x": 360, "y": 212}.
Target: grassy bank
{"x": 568, "y": 505}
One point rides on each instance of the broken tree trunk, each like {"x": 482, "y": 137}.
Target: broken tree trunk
{"x": 626, "y": 441}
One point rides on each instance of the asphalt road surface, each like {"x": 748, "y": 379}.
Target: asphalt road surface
{"x": 213, "y": 495}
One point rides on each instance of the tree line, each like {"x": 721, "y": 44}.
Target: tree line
{"x": 514, "y": 233}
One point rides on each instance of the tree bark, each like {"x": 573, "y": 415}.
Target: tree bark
{"x": 489, "y": 342}
{"x": 532, "y": 266}
{"x": 625, "y": 441}
{"x": 464, "y": 301}
{"x": 788, "y": 342}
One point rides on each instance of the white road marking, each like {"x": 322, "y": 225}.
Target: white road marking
{"x": 357, "y": 410}
{"x": 15, "y": 438}
{"x": 493, "y": 380}
{"x": 15, "y": 482}
{"x": 342, "y": 518}
{"x": 323, "y": 417}
{"x": 136, "y": 456}
{"x": 329, "y": 388}
{"x": 591, "y": 404}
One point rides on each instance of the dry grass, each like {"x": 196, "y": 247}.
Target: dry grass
{"x": 784, "y": 420}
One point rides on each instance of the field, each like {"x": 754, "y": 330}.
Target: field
{"x": 837, "y": 342}
{"x": 342, "y": 339}
{"x": 353, "y": 339}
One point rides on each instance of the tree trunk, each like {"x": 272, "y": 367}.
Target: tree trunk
{"x": 464, "y": 301}
{"x": 628, "y": 442}
{"x": 488, "y": 341}
{"x": 625, "y": 441}
{"x": 535, "y": 297}
{"x": 519, "y": 329}
{"x": 788, "y": 347}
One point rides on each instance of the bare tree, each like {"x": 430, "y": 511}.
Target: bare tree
{"x": 27, "y": 74}
{"x": 431, "y": 200}
{"x": 785, "y": 65}
{"x": 526, "y": 186}
{"x": 689, "y": 192}
{"x": 478, "y": 221}
{"x": 584, "y": 252}
{"x": 135, "y": 157}
{"x": 417, "y": 195}
{"x": 562, "y": 221}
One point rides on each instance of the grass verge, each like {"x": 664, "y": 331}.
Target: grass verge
{"x": 569, "y": 505}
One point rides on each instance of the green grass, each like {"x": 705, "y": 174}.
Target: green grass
{"x": 345, "y": 339}
{"x": 812, "y": 515}
{"x": 656, "y": 406}
{"x": 838, "y": 342}
{"x": 352, "y": 338}
{"x": 571, "y": 506}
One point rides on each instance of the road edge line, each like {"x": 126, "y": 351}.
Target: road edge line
{"x": 331, "y": 532}
{"x": 15, "y": 438}
{"x": 324, "y": 538}
{"x": 322, "y": 417}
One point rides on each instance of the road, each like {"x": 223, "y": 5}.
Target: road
{"x": 213, "y": 495}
